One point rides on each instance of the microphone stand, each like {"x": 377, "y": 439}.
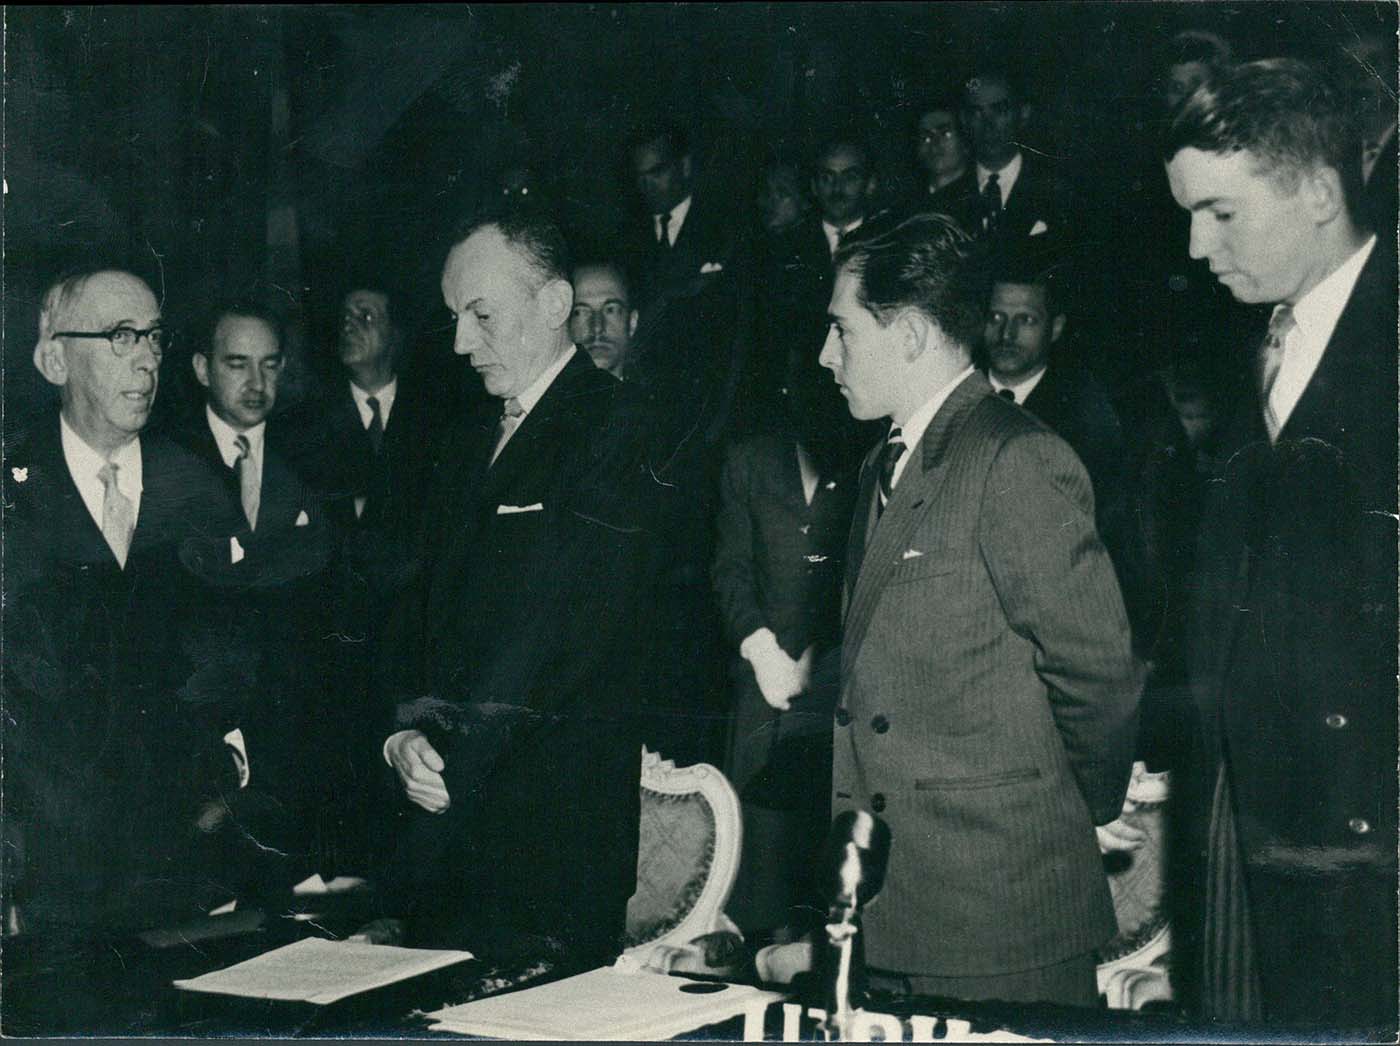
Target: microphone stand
{"x": 862, "y": 849}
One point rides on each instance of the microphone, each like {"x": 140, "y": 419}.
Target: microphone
{"x": 855, "y": 857}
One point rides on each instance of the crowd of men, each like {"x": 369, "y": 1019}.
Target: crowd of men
{"x": 832, "y": 504}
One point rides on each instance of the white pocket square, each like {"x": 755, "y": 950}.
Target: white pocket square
{"x": 1038, "y": 228}
{"x": 303, "y": 520}
{"x": 911, "y": 553}
{"x": 235, "y": 551}
{"x": 506, "y": 510}
{"x": 710, "y": 267}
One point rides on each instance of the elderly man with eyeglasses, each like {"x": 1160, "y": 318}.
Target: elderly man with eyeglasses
{"x": 117, "y": 750}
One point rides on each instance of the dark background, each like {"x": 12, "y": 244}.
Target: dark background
{"x": 282, "y": 150}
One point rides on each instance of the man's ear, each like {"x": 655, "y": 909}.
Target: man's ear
{"x": 556, "y": 299}
{"x": 200, "y": 362}
{"x": 914, "y": 334}
{"x": 1057, "y": 327}
{"x": 1321, "y": 189}
{"x": 632, "y": 323}
{"x": 51, "y": 361}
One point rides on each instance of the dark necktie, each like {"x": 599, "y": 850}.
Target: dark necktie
{"x": 894, "y": 449}
{"x": 663, "y": 239}
{"x": 991, "y": 204}
{"x": 376, "y": 425}
{"x": 1007, "y": 394}
{"x": 1270, "y": 360}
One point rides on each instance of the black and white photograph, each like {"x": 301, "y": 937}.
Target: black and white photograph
{"x": 754, "y": 522}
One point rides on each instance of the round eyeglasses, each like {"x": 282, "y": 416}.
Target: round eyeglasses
{"x": 124, "y": 339}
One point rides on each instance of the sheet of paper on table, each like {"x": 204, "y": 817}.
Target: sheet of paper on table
{"x": 321, "y": 972}
{"x": 603, "y": 1004}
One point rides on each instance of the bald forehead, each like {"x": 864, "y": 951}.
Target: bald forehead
{"x": 106, "y": 299}
{"x": 602, "y": 281}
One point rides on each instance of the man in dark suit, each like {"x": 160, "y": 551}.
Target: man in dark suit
{"x": 988, "y": 689}
{"x": 283, "y": 609}
{"x": 118, "y": 756}
{"x": 1024, "y": 329}
{"x": 949, "y": 182}
{"x": 1293, "y": 656}
{"x": 516, "y": 656}
{"x": 1020, "y": 194}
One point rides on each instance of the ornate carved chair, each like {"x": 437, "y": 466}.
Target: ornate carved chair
{"x": 1132, "y": 967}
{"x": 691, "y": 836}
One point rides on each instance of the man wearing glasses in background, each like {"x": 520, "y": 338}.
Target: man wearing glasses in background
{"x": 117, "y": 763}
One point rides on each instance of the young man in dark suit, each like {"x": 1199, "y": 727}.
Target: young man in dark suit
{"x": 282, "y": 610}
{"x": 515, "y": 658}
{"x": 1293, "y": 656}
{"x": 988, "y": 688}
{"x": 119, "y": 757}
{"x": 1020, "y": 194}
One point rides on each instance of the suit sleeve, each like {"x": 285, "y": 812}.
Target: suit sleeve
{"x": 1057, "y": 588}
{"x": 732, "y": 573}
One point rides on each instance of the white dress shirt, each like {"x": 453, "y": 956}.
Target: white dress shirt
{"x": 84, "y": 463}
{"x": 1316, "y": 314}
{"x": 1006, "y": 177}
{"x": 385, "y": 396}
{"x": 912, "y": 431}
{"x": 835, "y": 232}
{"x": 1021, "y": 389}
{"x": 225, "y": 435}
{"x": 673, "y": 226}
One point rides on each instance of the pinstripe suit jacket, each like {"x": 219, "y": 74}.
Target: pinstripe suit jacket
{"x": 989, "y": 696}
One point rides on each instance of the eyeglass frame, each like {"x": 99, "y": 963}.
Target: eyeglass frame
{"x": 157, "y": 350}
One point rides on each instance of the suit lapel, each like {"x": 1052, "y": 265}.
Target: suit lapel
{"x": 863, "y": 522}
{"x": 912, "y": 501}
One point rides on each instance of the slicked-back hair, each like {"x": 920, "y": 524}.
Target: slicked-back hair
{"x": 1282, "y": 111}
{"x": 534, "y": 235}
{"x": 926, "y": 262}
{"x": 616, "y": 268}
{"x": 1029, "y": 263}
{"x": 852, "y": 141}
{"x": 66, "y": 289}
{"x": 243, "y": 308}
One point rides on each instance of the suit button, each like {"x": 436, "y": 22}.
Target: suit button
{"x": 877, "y": 802}
{"x": 1336, "y": 721}
{"x": 843, "y": 718}
{"x": 1359, "y": 825}
{"x": 879, "y": 724}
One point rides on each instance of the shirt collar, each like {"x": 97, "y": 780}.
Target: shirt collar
{"x": 835, "y": 232}
{"x": 677, "y": 219}
{"x": 536, "y": 391}
{"x": 385, "y": 396}
{"x": 1021, "y": 389}
{"x": 913, "y": 429}
{"x": 84, "y": 462}
{"x": 1317, "y": 311}
{"x": 225, "y": 436}
{"x": 1006, "y": 176}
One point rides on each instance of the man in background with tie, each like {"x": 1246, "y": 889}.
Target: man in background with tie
{"x": 118, "y": 760}
{"x": 515, "y": 660}
{"x": 988, "y": 689}
{"x": 1294, "y": 626}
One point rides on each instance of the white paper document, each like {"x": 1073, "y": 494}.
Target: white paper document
{"x": 321, "y": 972}
{"x": 607, "y": 1004}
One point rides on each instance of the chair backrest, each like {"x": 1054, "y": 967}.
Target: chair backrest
{"x": 691, "y": 837}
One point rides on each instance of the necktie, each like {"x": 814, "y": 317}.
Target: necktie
{"x": 991, "y": 203}
{"x": 1270, "y": 359}
{"x": 1007, "y": 394}
{"x": 889, "y": 458}
{"x": 376, "y": 425}
{"x": 248, "y": 491}
{"x": 118, "y": 514}
{"x": 511, "y": 415}
{"x": 663, "y": 222}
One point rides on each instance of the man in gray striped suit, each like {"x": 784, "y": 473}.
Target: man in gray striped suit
{"x": 989, "y": 691}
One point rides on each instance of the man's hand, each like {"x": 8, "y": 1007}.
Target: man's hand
{"x": 419, "y": 768}
{"x": 1119, "y": 836}
{"x": 780, "y": 678}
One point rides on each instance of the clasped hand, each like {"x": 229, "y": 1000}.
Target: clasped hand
{"x": 780, "y": 678}
{"x": 419, "y": 767}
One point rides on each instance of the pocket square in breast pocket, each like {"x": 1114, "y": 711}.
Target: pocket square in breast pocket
{"x": 303, "y": 520}
{"x": 1038, "y": 228}
{"x": 710, "y": 267}
{"x": 508, "y": 510}
{"x": 911, "y": 553}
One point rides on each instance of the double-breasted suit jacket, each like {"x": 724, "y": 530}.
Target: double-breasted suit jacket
{"x": 516, "y": 656}
{"x": 114, "y": 707}
{"x": 989, "y": 696}
{"x": 1293, "y": 662}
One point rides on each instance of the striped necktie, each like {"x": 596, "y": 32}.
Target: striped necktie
{"x": 118, "y": 514}
{"x": 894, "y": 449}
{"x": 1281, "y": 324}
{"x": 248, "y": 491}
